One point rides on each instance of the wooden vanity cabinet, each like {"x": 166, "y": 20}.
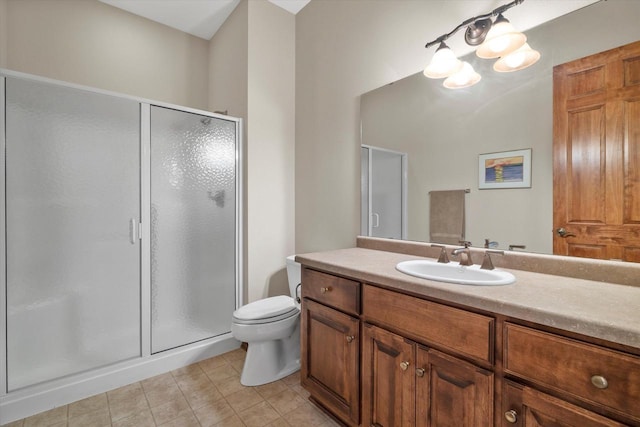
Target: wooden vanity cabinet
{"x": 392, "y": 359}
{"x": 407, "y": 384}
{"x": 330, "y": 343}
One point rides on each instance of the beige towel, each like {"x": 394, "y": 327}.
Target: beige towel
{"x": 446, "y": 217}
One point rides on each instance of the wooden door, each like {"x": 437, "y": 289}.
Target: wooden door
{"x": 330, "y": 359}
{"x": 451, "y": 392}
{"x": 596, "y": 155}
{"x": 526, "y": 407}
{"x": 388, "y": 379}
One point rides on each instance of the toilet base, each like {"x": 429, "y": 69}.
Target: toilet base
{"x": 269, "y": 361}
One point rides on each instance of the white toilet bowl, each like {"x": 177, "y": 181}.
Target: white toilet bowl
{"x": 271, "y": 328}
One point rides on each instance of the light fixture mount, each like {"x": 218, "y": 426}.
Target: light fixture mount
{"x": 477, "y": 21}
{"x": 477, "y": 31}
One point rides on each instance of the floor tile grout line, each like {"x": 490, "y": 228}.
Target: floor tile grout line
{"x": 185, "y": 397}
{"x": 231, "y": 362}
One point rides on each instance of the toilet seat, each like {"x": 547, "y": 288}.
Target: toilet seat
{"x": 266, "y": 310}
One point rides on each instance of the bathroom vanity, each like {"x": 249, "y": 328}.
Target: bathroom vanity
{"x": 382, "y": 348}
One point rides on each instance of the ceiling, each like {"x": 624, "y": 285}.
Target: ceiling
{"x": 201, "y": 18}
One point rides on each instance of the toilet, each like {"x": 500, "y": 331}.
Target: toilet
{"x": 271, "y": 328}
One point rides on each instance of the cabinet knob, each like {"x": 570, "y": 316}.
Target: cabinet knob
{"x": 511, "y": 416}
{"x": 420, "y": 372}
{"x": 325, "y": 289}
{"x": 404, "y": 365}
{"x": 350, "y": 338}
{"x": 599, "y": 381}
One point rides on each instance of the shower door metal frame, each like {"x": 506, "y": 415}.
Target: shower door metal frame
{"x": 73, "y": 387}
{"x": 3, "y": 245}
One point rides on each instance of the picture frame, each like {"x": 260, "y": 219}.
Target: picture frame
{"x": 505, "y": 169}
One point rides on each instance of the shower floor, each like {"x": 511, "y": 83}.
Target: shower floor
{"x": 207, "y": 393}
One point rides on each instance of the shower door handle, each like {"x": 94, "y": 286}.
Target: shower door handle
{"x": 377, "y": 218}
{"x": 132, "y": 231}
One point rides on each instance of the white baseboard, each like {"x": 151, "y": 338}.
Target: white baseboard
{"x": 42, "y": 397}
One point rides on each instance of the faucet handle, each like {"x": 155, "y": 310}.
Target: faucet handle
{"x": 443, "y": 258}
{"x": 486, "y": 261}
{"x": 465, "y": 243}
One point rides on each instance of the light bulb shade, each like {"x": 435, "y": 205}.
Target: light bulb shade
{"x": 443, "y": 64}
{"x": 464, "y": 78}
{"x": 517, "y": 60}
{"x": 501, "y": 40}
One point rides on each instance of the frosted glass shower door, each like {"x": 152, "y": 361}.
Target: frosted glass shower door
{"x": 72, "y": 204}
{"x": 383, "y": 193}
{"x": 193, "y": 227}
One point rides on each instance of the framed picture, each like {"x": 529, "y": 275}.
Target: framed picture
{"x": 507, "y": 169}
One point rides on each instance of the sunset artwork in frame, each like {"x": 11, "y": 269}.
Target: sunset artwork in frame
{"x": 507, "y": 169}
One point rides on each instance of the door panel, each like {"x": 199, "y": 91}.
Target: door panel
{"x": 193, "y": 214}
{"x": 388, "y": 379}
{"x": 632, "y": 162}
{"x": 73, "y": 256}
{"x": 383, "y": 193}
{"x": 330, "y": 355}
{"x": 452, "y": 393}
{"x": 386, "y": 194}
{"x": 597, "y": 155}
{"x": 586, "y": 167}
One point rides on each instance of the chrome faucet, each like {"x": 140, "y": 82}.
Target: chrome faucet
{"x": 465, "y": 255}
{"x": 443, "y": 258}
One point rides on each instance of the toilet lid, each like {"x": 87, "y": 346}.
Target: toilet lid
{"x": 281, "y": 306}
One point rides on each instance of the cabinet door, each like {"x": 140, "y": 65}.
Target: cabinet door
{"x": 452, "y": 392}
{"x": 330, "y": 359}
{"x": 526, "y": 407}
{"x": 388, "y": 379}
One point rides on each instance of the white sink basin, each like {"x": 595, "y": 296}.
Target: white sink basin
{"x": 453, "y": 272}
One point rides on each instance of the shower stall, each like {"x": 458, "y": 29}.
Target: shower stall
{"x": 121, "y": 240}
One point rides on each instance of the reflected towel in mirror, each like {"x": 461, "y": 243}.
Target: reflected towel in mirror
{"x": 446, "y": 216}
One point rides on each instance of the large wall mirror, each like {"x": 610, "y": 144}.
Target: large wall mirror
{"x": 443, "y": 132}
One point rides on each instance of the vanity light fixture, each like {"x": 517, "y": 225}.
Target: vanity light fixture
{"x": 494, "y": 38}
{"x": 466, "y": 77}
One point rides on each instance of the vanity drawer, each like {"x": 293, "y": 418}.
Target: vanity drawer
{"x": 592, "y": 373}
{"x": 456, "y": 330}
{"x": 337, "y": 292}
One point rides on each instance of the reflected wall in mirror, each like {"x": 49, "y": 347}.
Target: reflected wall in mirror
{"x": 444, "y": 131}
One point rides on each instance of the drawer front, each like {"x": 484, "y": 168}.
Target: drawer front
{"x": 572, "y": 366}
{"x": 333, "y": 291}
{"x": 459, "y": 331}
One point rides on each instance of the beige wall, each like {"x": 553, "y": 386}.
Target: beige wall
{"x": 344, "y": 49}
{"x": 228, "y": 64}
{"x": 93, "y": 44}
{"x": 270, "y": 148}
{"x": 3, "y": 33}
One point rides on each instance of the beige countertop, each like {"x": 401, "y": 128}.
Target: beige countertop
{"x": 596, "y": 309}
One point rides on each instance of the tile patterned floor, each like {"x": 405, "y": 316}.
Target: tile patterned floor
{"x": 205, "y": 394}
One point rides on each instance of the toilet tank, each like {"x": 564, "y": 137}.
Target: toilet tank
{"x": 293, "y": 275}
